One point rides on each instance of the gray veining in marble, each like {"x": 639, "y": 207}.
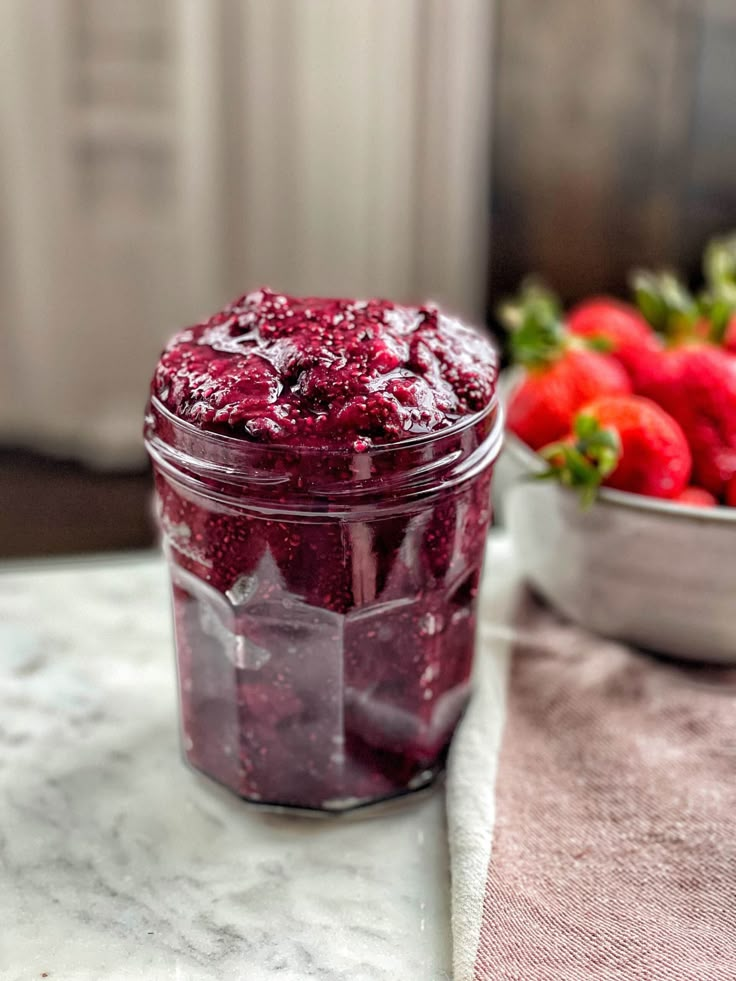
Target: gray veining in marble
{"x": 117, "y": 862}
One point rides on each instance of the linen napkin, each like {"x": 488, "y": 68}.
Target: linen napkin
{"x": 591, "y": 805}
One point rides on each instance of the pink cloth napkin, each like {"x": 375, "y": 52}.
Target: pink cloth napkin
{"x": 591, "y": 806}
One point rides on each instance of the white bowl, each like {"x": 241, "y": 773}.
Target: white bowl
{"x": 650, "y": 572}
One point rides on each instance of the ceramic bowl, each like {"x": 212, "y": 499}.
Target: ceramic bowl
{"x": 649, "y": 572}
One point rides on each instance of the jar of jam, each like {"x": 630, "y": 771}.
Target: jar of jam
{"x": 323, "y": 474}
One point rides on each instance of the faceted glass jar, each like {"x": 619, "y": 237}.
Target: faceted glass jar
{"x": 324, "y": 605}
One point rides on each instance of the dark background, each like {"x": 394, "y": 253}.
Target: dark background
{"x": 614, "y": 138}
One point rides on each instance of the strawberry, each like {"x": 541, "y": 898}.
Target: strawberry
{"x": 697, "y": 497}
{"x": 631, "y": 340}
{"x": 541, "y": 408}
{"x": 625, "y": 442}
{"x": 696, "y": 384}
{"x": 562, "y": 373}
{"x": 695, "y": 381}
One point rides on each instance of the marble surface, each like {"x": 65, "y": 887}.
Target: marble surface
{"x": 117, "y": 862}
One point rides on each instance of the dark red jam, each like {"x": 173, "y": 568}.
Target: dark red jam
{"x": 323, "y": 476}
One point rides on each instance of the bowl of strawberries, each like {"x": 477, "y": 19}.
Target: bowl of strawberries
{"x": 619, "y": 471}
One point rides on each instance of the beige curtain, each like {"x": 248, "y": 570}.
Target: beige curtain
{"x": 168, "y": 155}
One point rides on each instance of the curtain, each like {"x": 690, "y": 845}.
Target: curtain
{"x": 171, "y": 154}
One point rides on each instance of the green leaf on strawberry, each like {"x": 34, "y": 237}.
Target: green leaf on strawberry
{"x": 718, "y": 308}
{"x": 533, "y": 319}
{"x": 719, "y": 261}
{"x": 537, "y": 334}
{"x": 666, "y": 303}
{"x": 585, "y": 463}
{"x": 718, "y": 299}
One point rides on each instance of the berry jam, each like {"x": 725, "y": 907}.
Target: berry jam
{"x": 323, "y": 480}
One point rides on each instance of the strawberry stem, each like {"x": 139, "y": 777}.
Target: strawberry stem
{"x": 718, "y": 300}
{"x": 533, "y": 318}
{"x": 666, "y": 303}
{"x": 584, "y": 464}
{"x": 718, "y": 307}
{"x": 719, "y": 261}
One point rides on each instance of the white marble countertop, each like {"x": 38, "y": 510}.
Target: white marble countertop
{"x": 117, "y": 862}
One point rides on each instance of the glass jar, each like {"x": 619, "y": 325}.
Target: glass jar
{"x": 324, "y": 605}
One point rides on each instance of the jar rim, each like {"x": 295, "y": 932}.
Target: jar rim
{"x": 412, "y": 442}
{"x": 289, "y": 479}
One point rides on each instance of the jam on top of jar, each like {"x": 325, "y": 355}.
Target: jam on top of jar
{"x": 325, "y": 372}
